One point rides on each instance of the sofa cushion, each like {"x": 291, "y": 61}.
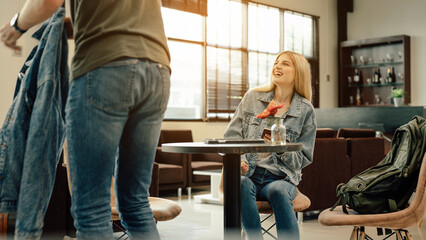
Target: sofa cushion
{"x": 355, "y": 133}
{"x": 325, "y": 133}
{"x": 170, "y": 173}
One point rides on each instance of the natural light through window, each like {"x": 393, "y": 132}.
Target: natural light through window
{"x": 216, "y": 58}
{"x": 183, "y": 25}
{"x": 299, "y": 33}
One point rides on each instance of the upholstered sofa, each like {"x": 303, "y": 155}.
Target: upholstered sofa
{"x": 193, "y": 162}
{"x": 338, "y": 156}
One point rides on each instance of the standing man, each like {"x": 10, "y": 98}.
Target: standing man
{"x": 117, "y": 98}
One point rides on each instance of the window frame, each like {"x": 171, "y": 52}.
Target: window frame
{"x": 314, "y": 61}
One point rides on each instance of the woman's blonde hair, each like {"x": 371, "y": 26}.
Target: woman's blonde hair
{"x": 302, "y": 76}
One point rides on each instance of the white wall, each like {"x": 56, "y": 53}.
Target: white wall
{"x": 10, "y": 65}
{"x": 381, "y": 18}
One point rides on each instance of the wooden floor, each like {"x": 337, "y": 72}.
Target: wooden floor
{"x": 205, "y": 222}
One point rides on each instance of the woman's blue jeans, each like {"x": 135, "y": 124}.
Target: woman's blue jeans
{"x": 263, "y": 185}
{"x": 113, "y": 116}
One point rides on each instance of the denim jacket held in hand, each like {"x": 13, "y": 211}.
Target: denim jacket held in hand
{"x": 301, "y": 127}
{"x": 33, "y": 132}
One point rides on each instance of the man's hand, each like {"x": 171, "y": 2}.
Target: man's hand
{"x": 32, "y": 13}
{"x": 244, "y": 168}
{"x": 9, "y": 36}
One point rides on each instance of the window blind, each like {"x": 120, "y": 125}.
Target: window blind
{"x": 192, "y": 6}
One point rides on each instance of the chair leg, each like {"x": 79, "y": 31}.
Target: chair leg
{"x": 299, "y": 217}
{"x": 189, "y": 191}
{"x": 124, "y": 236}
{"x": 266, "y": 231}
{"x": 362, "y": 233}
{"x": 179, "y": 192}
{"x": 243, "y": 235}
{"x": 408, "y": 235}
{"x": 354, "y": 235}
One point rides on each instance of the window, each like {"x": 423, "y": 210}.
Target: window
{"x": 185, "y": 40}
{"x": 216, "y": 59}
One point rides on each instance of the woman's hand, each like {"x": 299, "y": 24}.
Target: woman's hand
{"x": 244, "y": 168}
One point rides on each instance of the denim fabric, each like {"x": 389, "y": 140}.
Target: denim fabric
{"x": 263, "y": 185}
{"x": 33, "y": 132}
{"x": 301, "y": 127}
{"x": 116, "y": 108}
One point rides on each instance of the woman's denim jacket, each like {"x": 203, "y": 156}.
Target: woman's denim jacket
{"x": 301, "y": 127}
{"x": 33, "y": 132}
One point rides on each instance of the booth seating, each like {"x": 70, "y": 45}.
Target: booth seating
{"x": 329, "y": 168}
{"x": 193, "y": 162}
{"x": 364, "y": 148}
{"x": 338, "y": 156}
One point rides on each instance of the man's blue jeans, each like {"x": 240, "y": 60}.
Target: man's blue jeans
{"x": 114, "y": 115}
{"x": 264, "y": 185}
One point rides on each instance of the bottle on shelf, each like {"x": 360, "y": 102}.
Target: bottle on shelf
{"x": 375, "y": 76}
{"x": 389, "y": 77}
{"x": 379, "y": 75}
{"x": 393, "y": 75}
{"x": 358, "y": 97}
{"x": 356, "y": 77}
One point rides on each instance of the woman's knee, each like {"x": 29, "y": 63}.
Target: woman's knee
{"x": 247, "y": 185}
{"x": 283, "y": 190}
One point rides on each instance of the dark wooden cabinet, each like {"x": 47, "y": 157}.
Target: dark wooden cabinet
{"x": 364, "y": 56}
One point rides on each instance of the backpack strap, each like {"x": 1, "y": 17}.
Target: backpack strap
{"x": 393, "y": 207}
{"x": 341, "y": 197}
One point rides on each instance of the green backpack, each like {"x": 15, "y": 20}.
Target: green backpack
{"x": 388, "y": 186}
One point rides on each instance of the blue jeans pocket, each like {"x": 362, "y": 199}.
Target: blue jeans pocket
{"x": 165, "y": 77}
{"x": 110, "y": 87}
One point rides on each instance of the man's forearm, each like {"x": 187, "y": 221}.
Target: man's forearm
{"x": 37, "y": 11}
{"x": 33, "y": 13}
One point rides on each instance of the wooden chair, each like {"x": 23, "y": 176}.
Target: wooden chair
{"x": 162, "y": 208}
{"x": 397, "y": 221}
{"x": 300, "y": 203}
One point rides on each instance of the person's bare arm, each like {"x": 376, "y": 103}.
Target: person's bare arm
{"x": 33, "y": 12}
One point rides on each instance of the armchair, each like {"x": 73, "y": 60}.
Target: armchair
{"x": 172, "y": 170}
{"x": 328, "y": 169}
{"x": 196, "y": 162}
{"x": 364, "y": 148}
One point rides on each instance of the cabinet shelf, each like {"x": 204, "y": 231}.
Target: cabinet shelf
{"x": 373, "y": 94}
{"x": 376, "y": 85}
{"x": 373, "y": 65}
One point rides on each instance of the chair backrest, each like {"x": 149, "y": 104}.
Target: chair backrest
{"x": 418, "y": 205}
{"x": 325, "y": 133}
{"x": 174, "y": 136}
{"x": 355, "y": 133}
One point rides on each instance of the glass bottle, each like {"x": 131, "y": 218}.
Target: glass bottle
{"x": 278, "y": 132}
{"x": 389, "y": 76}
{"x": 356, "y": 77}
{"x": 376, "y": 76}
{"x": 358, "y": 97}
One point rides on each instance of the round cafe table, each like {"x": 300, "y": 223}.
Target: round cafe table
{"x": 231, "y": 173}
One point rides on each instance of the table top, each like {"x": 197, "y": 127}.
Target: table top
{"x": 237, "y": 148}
